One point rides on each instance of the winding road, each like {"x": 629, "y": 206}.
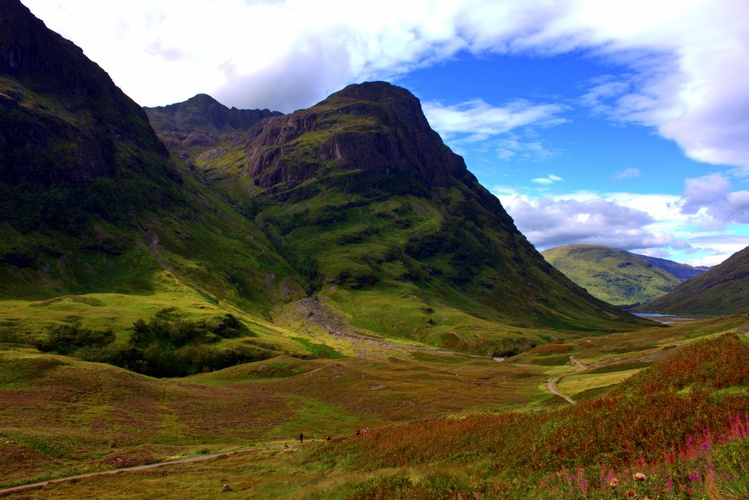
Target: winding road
{"x": 551, "y": 384}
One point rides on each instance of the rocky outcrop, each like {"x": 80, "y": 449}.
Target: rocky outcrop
{"x": 372, "y": 130}
{"x": 200, "y": 121}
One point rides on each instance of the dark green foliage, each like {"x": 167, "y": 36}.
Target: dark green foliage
{"x": 164, "y": 346}
{"x": 66, "y": 339}
{"x": 167, "y": 346}
{"x": 167, "y": 330}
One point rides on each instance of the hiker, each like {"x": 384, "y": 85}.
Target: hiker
{"x": 301, "y": 437}
{"x": 366, "y": 431}
{"x": 358, "y": 431}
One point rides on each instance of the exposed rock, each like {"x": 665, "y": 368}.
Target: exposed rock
{"x": 375, "y": 128}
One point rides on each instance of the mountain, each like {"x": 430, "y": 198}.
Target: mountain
{"x": 92, "y": 203}
{"x": 616, "y": 276}
{"x": 723, "y": 289}
{"x": 389, "y": 227}
{"x": 677, "y": 269}
{"x": 201, "y": 120}
{"x": 345, "y": 229}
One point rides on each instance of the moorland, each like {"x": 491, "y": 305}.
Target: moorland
{"x": 247, "y": 289}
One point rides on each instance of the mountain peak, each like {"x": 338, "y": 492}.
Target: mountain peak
{"x": 378, "y": 91}
{"x": 374, "y": 131}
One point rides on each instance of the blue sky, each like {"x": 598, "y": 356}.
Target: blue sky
{"x": 612, "y": 122}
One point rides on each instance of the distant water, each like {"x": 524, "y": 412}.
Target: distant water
{"x": 667, "y": 318}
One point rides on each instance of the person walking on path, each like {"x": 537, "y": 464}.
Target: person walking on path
{"x": 301, "y": 437}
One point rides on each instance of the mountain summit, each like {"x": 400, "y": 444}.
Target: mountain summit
{"x": 364, "y": 199}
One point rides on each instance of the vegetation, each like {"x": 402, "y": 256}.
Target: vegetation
{"x": 721, "y": 290}
{"x": 279, "y": 279}
{"x": 616, "y": 276}
{"x": 680, "y": 422}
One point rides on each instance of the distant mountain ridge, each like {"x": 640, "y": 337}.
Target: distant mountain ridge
{"x": 723, "y": 289}
{"x": 681, "y": 271}
{"x": 616, "y": 276}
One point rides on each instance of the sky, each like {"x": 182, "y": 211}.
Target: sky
{"x": 622, "y": 123}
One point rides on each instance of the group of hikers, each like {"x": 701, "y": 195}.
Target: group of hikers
{"x": 359, "y": 432}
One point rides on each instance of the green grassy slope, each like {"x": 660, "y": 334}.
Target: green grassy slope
{"x": 616, "y": 276}
{"x": 724, "y": 289}
{"x": 389, "y": 228}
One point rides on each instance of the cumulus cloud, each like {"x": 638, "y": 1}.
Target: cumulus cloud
{"x": 686, "y": 59}
{"x": 713, "y": 204}
{"x": 550, "y": 222}
{"x": 649, "y": 224}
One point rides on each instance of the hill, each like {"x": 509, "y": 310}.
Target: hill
{"x": 681, "y": 271}
{"x": 256, "y": 234}
{"x": 100, "y": 227}
{"x": 616, "y": 276}
{"x": 364, "y": 200}
{"x": 720, "y": 290}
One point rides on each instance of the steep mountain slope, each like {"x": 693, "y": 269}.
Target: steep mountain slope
{"x": 202, "y": 122}
{"x": 616, "y": 276}
{"x": 390, "y": 228}
{"x": 91, "y": 203}
{"x": 724, "y": 289}
{"x": 202, "y": 258}
{"x": 677, "y": 269}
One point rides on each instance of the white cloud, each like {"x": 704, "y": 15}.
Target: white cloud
{"x": 650, "y": 224}
{"x": 687, "y": 58}
{"x": 520, "y": 147}
{"x": 548, "y": 180}
{"x": 713, "y": 204}
{"x": 479, "y": 120}
{"x": 627, "y": 173}
{"x": 550, "y": 222}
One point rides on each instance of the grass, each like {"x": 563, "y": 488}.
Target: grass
{"x": 613, "y": 275}
{"x": 438, "y": 427}
{"x": 572, "y": 385}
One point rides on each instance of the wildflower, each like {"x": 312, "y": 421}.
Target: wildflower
{"x": 705, "y": 446}
{"x": 639, "y": 476}
{"x": 630, "y": 494}
{"x": 614, "y": 481}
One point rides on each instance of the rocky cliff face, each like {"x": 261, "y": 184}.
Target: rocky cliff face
{"x": 358, "y": 193}
{"x": 202, "y": 121}
{"x": 62, "y": 119}
{"x": 374, "y": 129}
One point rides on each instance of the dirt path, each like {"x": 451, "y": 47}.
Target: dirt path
{"x": 551, "y": 384}
{"x": 43, "y": 484}
{"x": 551, "y": 387}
